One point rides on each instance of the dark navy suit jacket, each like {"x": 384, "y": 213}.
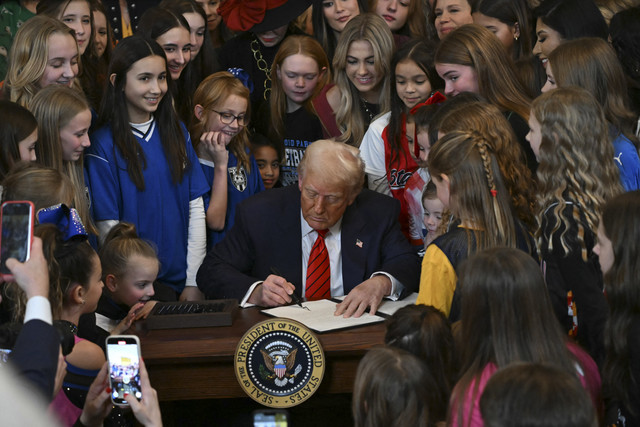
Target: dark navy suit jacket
{"x": 35, "y": 355}
{"x": 267, "y": 234}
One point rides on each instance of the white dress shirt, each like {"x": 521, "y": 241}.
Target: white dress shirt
{"x": 334, "y": 246}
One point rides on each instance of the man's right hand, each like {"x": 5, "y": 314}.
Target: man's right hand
{"x": 274, "y": 291}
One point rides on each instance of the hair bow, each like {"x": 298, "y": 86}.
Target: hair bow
{"x": 66, "y": 219}
{"x": 243, "y": 76}
{"x": 242, "y": 15}
{"x": 436, "y": 98}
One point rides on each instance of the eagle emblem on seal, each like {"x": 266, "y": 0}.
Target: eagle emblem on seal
{"x": 279, "y": 359}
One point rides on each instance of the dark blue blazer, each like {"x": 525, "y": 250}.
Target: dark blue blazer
{"x": 267, "y": 234}
{"x": 35, "y": 355}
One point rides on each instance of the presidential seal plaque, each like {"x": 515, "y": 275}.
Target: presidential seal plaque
{"x": 279, "y": 363}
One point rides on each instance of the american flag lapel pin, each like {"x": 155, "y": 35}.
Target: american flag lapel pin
{"x": 359, "y": 243}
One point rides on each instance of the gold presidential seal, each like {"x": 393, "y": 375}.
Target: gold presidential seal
{"x": 279, "y": 363}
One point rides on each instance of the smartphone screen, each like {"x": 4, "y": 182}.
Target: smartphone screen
{"x": 17, "y": 232}
{"x": 267, "y": 418}
{"x": 123, "y": 353}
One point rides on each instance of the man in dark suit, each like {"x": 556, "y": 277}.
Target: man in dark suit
{"x": 275, "y": 232}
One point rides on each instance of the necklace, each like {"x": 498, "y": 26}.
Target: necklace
{"x": 371, "y": 114}
{"x": 262, "y": 66}
{"x": 70, "y": 326}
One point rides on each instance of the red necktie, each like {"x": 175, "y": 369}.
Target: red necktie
{"x": 318, "y": 270}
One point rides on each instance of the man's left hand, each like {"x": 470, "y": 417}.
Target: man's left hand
{"x": 367, "y": 294}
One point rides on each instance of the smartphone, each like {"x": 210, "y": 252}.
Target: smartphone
{"x": 123, "y": 354}
{"x": 270, "y": 418}
{"x": 17, "y": 233}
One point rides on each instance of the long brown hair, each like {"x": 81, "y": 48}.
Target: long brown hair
{"x": 621, "y": 225}
{"x": 486, "y": 119}
{"x": 416, "y": 25}
{"x": 70, "y": 263}
{"x": 506, "y": 317}
{"x": 592, "y": 64}
{"x": 477, "y": 192}
{"x": 392, "y": 388}
{"x": 113, "y": 112}
{"x": 474, "y": 46}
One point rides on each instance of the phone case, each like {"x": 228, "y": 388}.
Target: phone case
{"x": 6, "y": 275}
{"x": 123, "y": 377}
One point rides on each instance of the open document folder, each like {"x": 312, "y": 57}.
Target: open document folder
{"x": 320, "y": 316}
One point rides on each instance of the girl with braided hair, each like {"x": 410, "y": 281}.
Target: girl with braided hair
{"x": 465, "y": 170}
{"x": 488, "y": 120}
{"x": 576, "y": 176}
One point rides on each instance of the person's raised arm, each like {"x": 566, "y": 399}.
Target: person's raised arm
{"x": 214, "y": 144}
{"x": 35, "y": 353}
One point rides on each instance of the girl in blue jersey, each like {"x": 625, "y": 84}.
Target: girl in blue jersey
{"x": 221, "y": 138}
{"x": 142, "y": 167}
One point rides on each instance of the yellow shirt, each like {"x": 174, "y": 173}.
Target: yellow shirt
{"x": 437, "y": 280}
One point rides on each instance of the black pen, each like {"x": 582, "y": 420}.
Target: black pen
{"x": 296, "y": 299}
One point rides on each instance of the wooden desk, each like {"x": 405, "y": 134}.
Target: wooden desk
{"x": 198, "y": 363}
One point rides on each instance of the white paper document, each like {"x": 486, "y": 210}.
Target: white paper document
{"x": 389, "y": 307}
{"x": 320, "y": 316}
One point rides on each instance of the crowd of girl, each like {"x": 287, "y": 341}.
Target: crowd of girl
{"x": 506, "y": 130}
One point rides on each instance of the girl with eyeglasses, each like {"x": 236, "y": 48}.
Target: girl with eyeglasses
{"x": 221, "y": 139}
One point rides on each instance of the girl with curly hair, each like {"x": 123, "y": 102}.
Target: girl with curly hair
{"x": 575, "y": 178}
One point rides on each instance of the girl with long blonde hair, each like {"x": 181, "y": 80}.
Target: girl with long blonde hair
{"x": 64, "y": 118}
{"x": 361, "y": 65}
{"x": 44, "y": 53}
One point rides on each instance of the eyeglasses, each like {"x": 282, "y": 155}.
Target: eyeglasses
{"x": 228, "y": 118}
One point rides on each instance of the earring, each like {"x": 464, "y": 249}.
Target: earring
{"x": 83, "y": 301}
{"x": 515, "y": 38}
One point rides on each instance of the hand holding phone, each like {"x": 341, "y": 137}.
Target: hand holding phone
{"x": 97, "y": 404}
{"x": 16, "y": 220}
{"x": 123, "y": 355}
{"x": 147, "y": 411}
